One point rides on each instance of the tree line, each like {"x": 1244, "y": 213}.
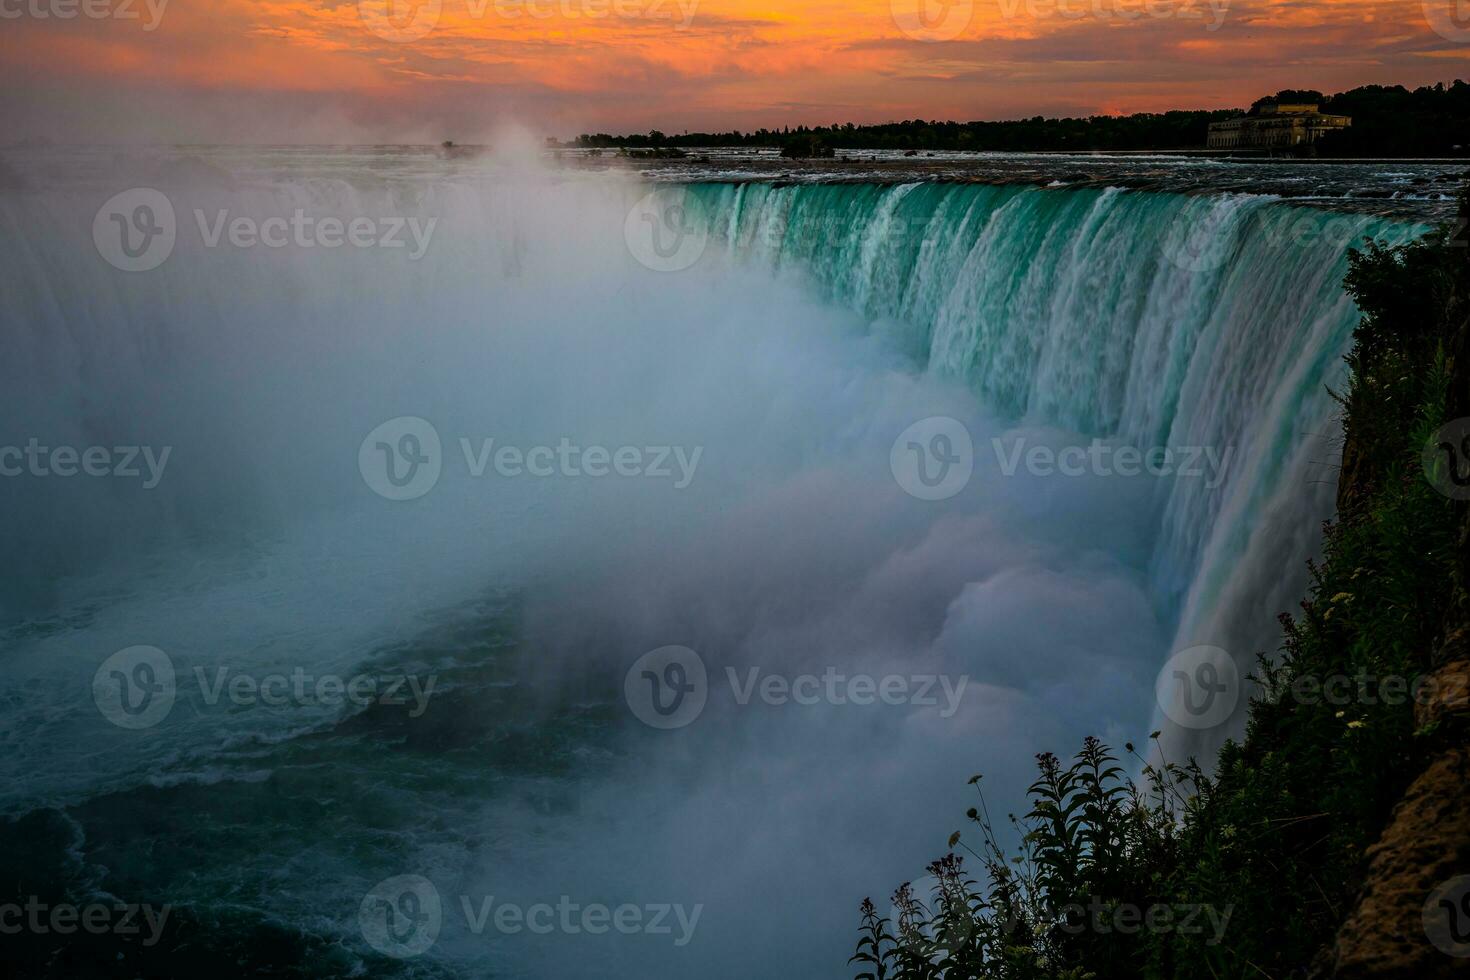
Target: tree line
{"x": 1388, "y": 120}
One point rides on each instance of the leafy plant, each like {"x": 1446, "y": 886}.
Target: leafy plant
{"x": 1276, "y": 838}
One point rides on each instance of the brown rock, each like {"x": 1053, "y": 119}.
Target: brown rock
{"x": 1443, "y": 694}
{"x": 1426, "y": 846}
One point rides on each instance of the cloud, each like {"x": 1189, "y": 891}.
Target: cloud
{"x": 736, "y": 63}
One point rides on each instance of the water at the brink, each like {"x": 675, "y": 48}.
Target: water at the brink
{"x": 819, "y": 322}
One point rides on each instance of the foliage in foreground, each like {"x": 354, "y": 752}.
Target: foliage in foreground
{"x": 1247, "y": 873}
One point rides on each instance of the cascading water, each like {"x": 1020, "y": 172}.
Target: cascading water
{"x": 821, "y": 321}
{"x": 1150, "y": 320}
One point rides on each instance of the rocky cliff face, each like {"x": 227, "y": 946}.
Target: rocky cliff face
{"x": 1412, "y": 917}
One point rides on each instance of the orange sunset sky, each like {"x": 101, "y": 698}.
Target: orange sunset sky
{"x": 307, "y": 71}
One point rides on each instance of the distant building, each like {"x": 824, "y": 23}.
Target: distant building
{"x": 1274, "y": 127}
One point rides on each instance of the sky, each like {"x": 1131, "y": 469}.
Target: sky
{"x": 314, "y": 71}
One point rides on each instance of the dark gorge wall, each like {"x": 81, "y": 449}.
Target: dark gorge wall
{"x": 1411, "y": 891}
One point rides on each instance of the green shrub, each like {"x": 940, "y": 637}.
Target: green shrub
{"x": 1274, "y": 842}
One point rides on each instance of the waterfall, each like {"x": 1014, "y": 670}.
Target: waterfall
{"x": 816, "y": 323}
{"x": 1144, "y": 319}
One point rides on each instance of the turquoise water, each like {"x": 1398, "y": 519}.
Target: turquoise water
{"x": 1149, "y": 319}
{"x": 818, "y": 323}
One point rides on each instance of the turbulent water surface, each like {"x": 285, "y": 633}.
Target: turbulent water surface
{"x": 755, "y": 350}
